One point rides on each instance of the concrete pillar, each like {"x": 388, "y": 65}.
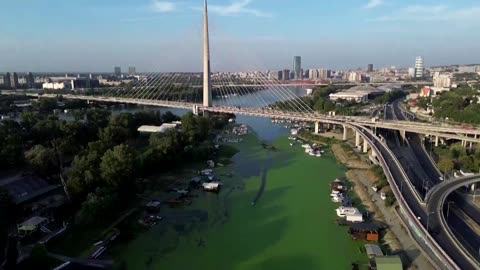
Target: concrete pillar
{"x": 317, "y": 127}
{"x": 345, "y": 133}
{"x": 403, "y": 135}
{"x": 365, "y": 146}
{"x": 357, "y": 139}
{"x": 436, "y": 141}
{"x": 471, "y": 143}
{"x": 207, "y": 93}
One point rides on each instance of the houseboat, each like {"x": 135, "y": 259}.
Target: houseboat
{"x": 346, "y": 211}
{"x": 212, "y": 187}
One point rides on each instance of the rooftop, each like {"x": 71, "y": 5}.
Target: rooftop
{"x": 24, "y": 188}
{"x": 389, "y": 263}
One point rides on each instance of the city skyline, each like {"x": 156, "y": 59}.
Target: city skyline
{"x": 246, "y": 34}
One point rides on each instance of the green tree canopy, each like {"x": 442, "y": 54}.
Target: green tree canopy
{"x": 117, "y": 166}
{"x": 43, "y": 160}
{"x": 11, "y": 144}
{"x": 446, "y": 165}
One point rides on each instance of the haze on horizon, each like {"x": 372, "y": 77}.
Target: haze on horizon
{"x": 157, "y": 35}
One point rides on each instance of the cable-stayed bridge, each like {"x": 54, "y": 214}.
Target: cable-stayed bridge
{"x": 259, "y": 95}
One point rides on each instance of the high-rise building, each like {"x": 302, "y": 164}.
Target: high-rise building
{"x": 118, "y": 71}
{"x": 324, "y": 73}
{"x": 370, "y": 68}
{"x": 419, "y": 67}
{"x": 6, "y": 80}
{"x": 30, "y": 81}
{"x": 132, "y": 71}
{"x": 275, "y": 75}
{"x": 313, "y": 74}
{"x": 297, "y": 68}
{"x": 14, "y": 80}
{"x": 286, "y": 74}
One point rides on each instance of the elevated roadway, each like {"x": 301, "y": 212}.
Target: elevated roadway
{"x": 423, "y": 163}
{"x": 434, "y": 130}
{"x": 436, "y": 206}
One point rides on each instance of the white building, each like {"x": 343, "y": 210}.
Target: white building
{"x": 160, "y": 129}
{"x": 411, "y": 72}
{"x": 442, "y": 80}
{"x": 355, "y": 96}
{"x": 57, "y": 85}
{"x": 419, "y": 67}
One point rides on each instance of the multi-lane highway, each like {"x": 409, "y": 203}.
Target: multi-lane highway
{"x": 423, "y": 166}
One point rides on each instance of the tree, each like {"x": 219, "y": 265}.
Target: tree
{"x": 466, "y": 163}
{"x": 328, "y": 106}
{"x": 117, "y": 166}
{"x": 84, "y": 175}
{"x": 28, "y": 120}
{"x": 457, "y": 151}
{"x": 46, "y": 130}
{"x": 98, "y": 118}
{"x": 98, "y": 208}
{"x": 319, "y": 105}
{"x": 43, "y": 160}
{"x": 189, "y": 126}
{"x": 11, "y": 144}
{"x": 45, "y": 104}
{"x": 445, "y": 165}
{"x": 113, "y": 135}
{"x": 169, "y": 117}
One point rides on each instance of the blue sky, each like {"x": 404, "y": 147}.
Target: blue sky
{"x": 165, "y": 35}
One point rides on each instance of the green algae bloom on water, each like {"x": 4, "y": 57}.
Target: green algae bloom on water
{"x": 289, "y": 225}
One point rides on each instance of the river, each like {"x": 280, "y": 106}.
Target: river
{"x": 273, "y": 212}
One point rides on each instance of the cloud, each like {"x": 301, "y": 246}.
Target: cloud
{"x": 236, "y": 8}
{"x": 416, "y": 9}
{"x": 420, "y": 13}
{"x": 163, "y": 6}
{"x": 373, "y": 4}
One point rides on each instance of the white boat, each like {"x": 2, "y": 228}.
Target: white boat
{"x": 337, "y": 199}
{"x": 334, "y": 193}
{"x": 213, "y": 186}
{"x": 318, "y": 155}
{"x": 346, "y": 211}
{"x": 383, "y": 196}
{"x": 311, "y": 154}
{"x": 306, "y": 146}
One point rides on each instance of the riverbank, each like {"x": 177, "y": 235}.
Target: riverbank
{"x": 396, "y": 238}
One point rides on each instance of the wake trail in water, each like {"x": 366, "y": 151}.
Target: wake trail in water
{"x": 263, "y": 182}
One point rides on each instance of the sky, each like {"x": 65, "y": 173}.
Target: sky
{"x": 166, "y": 35}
